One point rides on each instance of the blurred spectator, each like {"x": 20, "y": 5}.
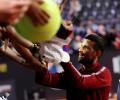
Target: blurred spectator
{"x": 75, "y": 45}
{"x": 117, "y": 41}
{"x": 61, "y": 4}
{"x": 90, "y": 31}
{"x": 76, "y": 42}
{"x": 80, "y": 30}
{"x": 109, "y": 38}
{"x": 113, "y": 29}
{"x": 75, "y": 7}
{"x": 110, "y": 59}
{"x": 118, "y": 91}
{"x": 91, "y": 23}
{"x": 101, "y": 30}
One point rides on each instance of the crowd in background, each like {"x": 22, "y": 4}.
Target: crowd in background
{"x": 90, "y": 17}
{"x": 106, "y": 28}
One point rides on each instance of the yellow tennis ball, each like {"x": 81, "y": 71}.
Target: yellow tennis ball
{"x": 41, "y": 33}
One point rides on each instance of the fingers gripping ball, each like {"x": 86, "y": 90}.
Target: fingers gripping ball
{"x": 44, "y": 32}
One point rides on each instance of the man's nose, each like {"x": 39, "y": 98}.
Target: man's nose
{"x": 80, "y": 49}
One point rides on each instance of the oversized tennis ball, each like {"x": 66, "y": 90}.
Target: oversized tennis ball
{"x": 41, "y": 33}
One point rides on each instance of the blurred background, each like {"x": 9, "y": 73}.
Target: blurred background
{"x": 89, "y": 17}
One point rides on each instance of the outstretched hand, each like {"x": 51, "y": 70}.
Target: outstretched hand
{"x": 68, "y": 25}
{"x": 38, "y": 15}
{"x": 11, "y": 11}
{"x": 31, "y": 60}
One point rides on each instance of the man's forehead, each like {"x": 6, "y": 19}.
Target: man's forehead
{"x": 87, "y": 42}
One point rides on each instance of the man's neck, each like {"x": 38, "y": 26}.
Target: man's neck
{"x": 89, "y": 66}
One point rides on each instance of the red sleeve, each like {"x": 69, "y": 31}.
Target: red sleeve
{"x": 95, "y": 80}
{"x": 49, "y": 79}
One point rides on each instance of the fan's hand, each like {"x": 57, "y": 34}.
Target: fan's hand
{"x": 12, "y": 10}
{"x": 38, "y": 15}
{"x": 68, "y": 25}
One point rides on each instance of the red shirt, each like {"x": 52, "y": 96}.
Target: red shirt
{"x": 94, "y": 84}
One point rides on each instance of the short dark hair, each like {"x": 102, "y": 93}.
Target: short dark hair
{"x": 99, "y": 41}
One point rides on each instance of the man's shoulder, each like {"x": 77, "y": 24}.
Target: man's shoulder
{"x": 104, "y": 69}
{"x": 105, "y": 73}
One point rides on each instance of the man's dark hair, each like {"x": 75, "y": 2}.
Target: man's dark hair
{"x": 99, "y": 41}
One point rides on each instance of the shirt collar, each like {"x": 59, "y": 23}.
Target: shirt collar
{"x": 94, "y": 68}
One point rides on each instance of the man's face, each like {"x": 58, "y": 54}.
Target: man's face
{"x": 87, "y": 54}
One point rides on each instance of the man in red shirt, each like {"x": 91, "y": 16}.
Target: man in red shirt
{"x": 91, "y": 82}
